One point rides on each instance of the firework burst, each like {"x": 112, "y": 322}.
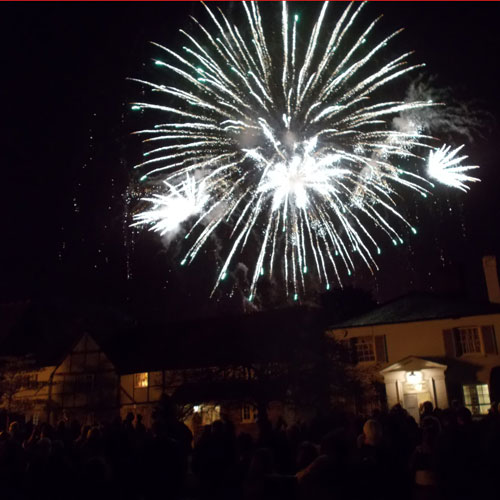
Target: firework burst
{"x": 445, "y": 167}
{"x": 293, "y": 146}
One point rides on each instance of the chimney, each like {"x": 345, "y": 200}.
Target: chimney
{"x": 491, "y": 277}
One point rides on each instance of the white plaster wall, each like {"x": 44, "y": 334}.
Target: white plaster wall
{"x": 425, "y": 339}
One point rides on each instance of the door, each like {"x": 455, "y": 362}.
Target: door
{"x": 411, "y": 405}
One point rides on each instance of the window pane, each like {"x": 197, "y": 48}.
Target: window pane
{"x": 469, "y": 340}
{"x": 483, "y": 394}
{"x": 484, "y": 409}
{"x": 246, "y": 412}
{"x": 477, "y": 398}
{"x": 155, "y": 379}
{"x": 141, "y": 380}
{"x": 364, "y": 349}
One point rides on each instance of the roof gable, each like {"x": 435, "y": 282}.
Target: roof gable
{"x": 412, "y": 363}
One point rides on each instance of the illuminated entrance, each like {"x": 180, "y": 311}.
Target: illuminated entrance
{"x": 412, "y": 381}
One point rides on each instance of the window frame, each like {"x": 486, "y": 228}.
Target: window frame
{"x": 465, "y": 343}
{"x": 361, "y": 354}
{"x": 155, "y": 379}
{"x": 250, "y": 419}
{"x": 475, "y": 399}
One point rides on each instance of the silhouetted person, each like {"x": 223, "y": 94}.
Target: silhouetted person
{"x": 94, "y": 480}
{"x": 331, "y": 472}
{"x": 427, "y": 411}
{"x": 245, "y": 448}
{"x": 423, "y": 461}
{"x": 377, "y": 464}
{"x": 140, "y": 428}
{"x": 458, "y": 458}
{"x": 13, "y": 461}
{"x": 306, "y": 454}
{"x": 165, "y": 416}
{"x": 263, "y": 483}
{"x": 161, "y": 467}
{"x": 215, "y": 461}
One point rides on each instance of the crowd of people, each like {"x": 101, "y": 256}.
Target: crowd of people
{"x": 447, "y": 455}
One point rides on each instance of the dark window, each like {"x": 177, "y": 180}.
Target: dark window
{"x": 468, "y": 340}
{"x": 247, "y": 413}
{"x": 381, "y": 348}
{"x": 365, "y": 350}
{"x": 489, "y": 339}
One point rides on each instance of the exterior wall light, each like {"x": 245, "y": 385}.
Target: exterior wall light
{"x": 413, "y": 377}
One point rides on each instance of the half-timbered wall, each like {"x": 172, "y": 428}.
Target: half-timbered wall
{"x": 85, "y": 384}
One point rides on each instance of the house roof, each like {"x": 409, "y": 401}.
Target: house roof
{"x": 419, "y": 307}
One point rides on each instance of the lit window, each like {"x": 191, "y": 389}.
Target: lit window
{"x": 247, "y": 413}
{"x": 477, "y": 398}
{"x": 209, "y": 413}
{"x": 469, "y": 340}
{"x": 364, "y": 349}
{"x": 141, "y": 380}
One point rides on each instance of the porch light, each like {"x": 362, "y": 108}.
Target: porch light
{"x": 413, "y": 377}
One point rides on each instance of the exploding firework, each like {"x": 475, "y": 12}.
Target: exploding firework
{"x": 446, "y": 168}
{"x": 291, "y": 143}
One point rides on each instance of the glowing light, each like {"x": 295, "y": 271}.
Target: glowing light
{"x": 172, "y": 209}
{"x": 445, "y": 167}
{"x": 414, "y": 377}
{"x": 291, "y": 149}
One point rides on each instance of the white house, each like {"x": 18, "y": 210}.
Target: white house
{"x": 425, "y": 347}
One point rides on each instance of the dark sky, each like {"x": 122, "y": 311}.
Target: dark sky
{"x": 67, "y": 155}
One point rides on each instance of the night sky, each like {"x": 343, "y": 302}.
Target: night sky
{"x": 67, "y": 157}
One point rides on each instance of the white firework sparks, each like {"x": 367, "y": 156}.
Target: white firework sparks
{"x": 293, "y": 146}
{"x": 444, "y": 166}
{"x": 172, "y": 209}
